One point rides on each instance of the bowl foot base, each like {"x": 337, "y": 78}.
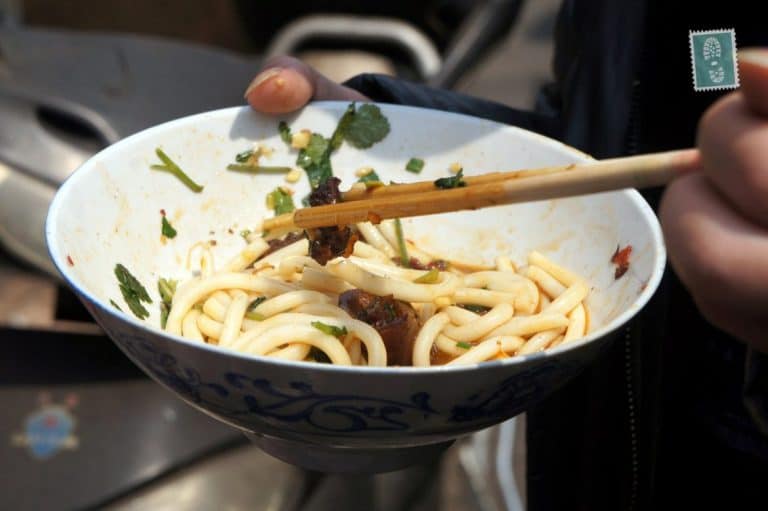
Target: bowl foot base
{"x": 346, "y": 459}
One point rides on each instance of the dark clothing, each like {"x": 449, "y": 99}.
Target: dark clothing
{"x": 676, "y": 412}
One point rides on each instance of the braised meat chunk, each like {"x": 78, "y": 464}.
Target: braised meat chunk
{"x": 326, "y": 243}
{"x": 395, "y": 320}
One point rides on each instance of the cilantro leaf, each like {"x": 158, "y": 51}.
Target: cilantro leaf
{"x": 133, "y": 292}
{"x": 367, "y": 126}
{"x": 341, "y": 129}
{"x": 285, "y": 132}
{"x": 280, "y": 201}
{"x": 456, "y": 181}
{"x": 333, "y": 330}
{"x": 415, "y": 165}
{"x": 171, "y": 167}
{"x": 167, "y": 229}
{"x": 370, "y": 177}
{"x": 315, "y": 159}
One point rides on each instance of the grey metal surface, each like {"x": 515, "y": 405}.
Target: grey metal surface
{"x": 64, "y": 96}
{"x": 124, "y": 433}
{"x": 236, "y": 480}
{"x": 359, "y": 29}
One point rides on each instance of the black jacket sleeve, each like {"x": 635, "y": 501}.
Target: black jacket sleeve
{"x": 386, "y": 89}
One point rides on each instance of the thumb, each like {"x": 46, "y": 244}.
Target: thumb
{"x": 287, "y": 84}
{"x": 753, "y": 75}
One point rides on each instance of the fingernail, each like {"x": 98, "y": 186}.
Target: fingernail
{"x": 261, "y": 78}
{"x": 758, "y": 56}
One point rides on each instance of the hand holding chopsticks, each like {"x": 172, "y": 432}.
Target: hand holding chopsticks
{"x": 424, "y": 198}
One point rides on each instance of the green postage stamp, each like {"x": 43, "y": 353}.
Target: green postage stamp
{"x": 713, "y": 57}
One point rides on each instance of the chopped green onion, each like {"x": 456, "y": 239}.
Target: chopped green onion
{"x": 429, "y": 278}
{"x": 402, "y": 250}
{"x": 333, "y": 330}
{"x": 169, "y": 166}
{"x": 250, "y": 312}
{"x": 285, "y": 132}
{"x": 116, "y": 306}
{"x": 244, "y": 156}
{"x": 166, "y": 288}
{"x": 258, "y": 169}
{"x": 370, "y": 177}
{"x": 463, "y": 345}
{"x": 245, "y": 233}
{"x": 415, "y": 165}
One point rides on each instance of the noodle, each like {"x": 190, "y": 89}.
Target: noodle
{"x": 286, "y": 305}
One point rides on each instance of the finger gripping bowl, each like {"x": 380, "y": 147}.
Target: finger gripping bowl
{"x": 317, "y": 415}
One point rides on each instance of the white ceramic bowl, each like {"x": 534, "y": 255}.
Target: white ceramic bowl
{"x": 317, "y": 415}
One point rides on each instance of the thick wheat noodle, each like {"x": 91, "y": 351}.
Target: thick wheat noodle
{"x": 366, "y": 251}
{"x": 504, "y": 263}
{"x": 216, "y": 305}
{"x": 448, "y": 345}
{"x": 549, "y": 284}
{"x": 354, "y": 347}
{"x": 386, "y": 270}
{"x": 374, "y": 345}
{"x": 383, "y": 286}
{"x": 568, "y": 300}
{"x": 558, "y": 341}
{"x": 209, "y": 326}
{"x": 426, "y": 311}
{"x": 322, "y": 309}
{"x": 296, "y": 264}
{"x": 233, "y": 320}
{"x": 544, "y": 302}
{"x": 374, "y": 237}
{"x": 486, "y": 298}
{"x": 488, "y": 349}
{"x": 422, "y": 347}
{"x": 189, "y": 326}
{"x": 300, "y": 247}
{"x": 494, "y": 318}
{"x": 247, "y": 256}
{"x": 460, "y": 315}
{"x": 527, "y": 325}
{"x": 295, "y": 351}
{"x": 182, "y": 302}
{"x": 505, "y": 281}
{"x": 577, "y": 326}
{"x": 540, "y": 341}
{"x": 566, "y": 277}
{"x": 321, "y": 280}
{"x": 278, "y": 336}
{"x": 288, "y": 301}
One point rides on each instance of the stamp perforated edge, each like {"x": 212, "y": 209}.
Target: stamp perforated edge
{"x": 732, "y": 31}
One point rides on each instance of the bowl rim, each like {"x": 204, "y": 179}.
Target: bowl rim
{"x": 632, "y": 195}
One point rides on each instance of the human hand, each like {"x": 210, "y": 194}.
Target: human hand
{"x": 286, "y": 84}
{"x": 716, "y": 221}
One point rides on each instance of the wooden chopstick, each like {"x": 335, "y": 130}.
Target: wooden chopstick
{"x": 417, "y": 199}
